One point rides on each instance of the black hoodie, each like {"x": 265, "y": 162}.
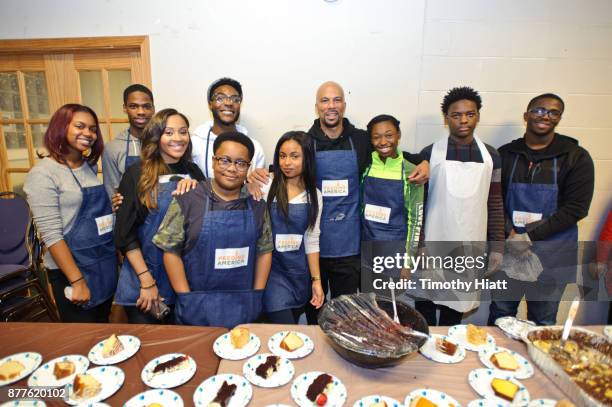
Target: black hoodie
{"x": 575, "y": 177}
{"x": 361, "y": 141}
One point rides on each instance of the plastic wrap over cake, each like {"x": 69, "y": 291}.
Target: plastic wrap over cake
{"x": 362, "y": 325}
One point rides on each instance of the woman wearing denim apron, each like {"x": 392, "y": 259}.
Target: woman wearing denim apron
{"x": 73, "y": 214}
{"x": 147, "y": 191}
{"x": 295, "y": 206}
{"x": 217, "y": 243}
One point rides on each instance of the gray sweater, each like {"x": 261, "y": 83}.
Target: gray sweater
{"x": 55, "y": 199}
{"x": 113, "y": 159}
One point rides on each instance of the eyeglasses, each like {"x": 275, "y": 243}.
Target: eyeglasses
{"x": 541, "y": 112}
{"x": 225, "y": 162}
{"x": 221, "y": 98}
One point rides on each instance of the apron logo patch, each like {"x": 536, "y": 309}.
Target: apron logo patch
{"x": 105, "y": 224}
{"x": 231, "y": 258}
{"x": 288, "y": 243}
{"x": 377, "y": 213}
{"x": 521, "y": 219}
{"x": 335, "y": 187}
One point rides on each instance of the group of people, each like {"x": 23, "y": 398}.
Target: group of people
{"x": 205, "y": 234}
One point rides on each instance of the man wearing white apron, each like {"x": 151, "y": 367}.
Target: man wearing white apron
{"x": 464, "y": 202}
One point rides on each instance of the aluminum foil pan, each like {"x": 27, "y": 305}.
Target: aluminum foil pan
{"x": 514, "y": 328}
{"x": 554, "y": 371}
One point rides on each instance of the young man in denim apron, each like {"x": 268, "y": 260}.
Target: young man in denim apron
{"x": 218, "y": 244}
{"x": 548, "y": 182}
{"x": 124, "y": 149}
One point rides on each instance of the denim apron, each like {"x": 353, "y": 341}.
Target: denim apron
{"x": 289, "y": 281}
{"x": 384, "y": 211}
{"x": 129, "y": 159}
{"x": 220, "y": 270}
{"x": 128, "y": 288}
{"x": 338, "y": 180}
{"x": 91, "y": 243}
{"x": 526, "y": 203}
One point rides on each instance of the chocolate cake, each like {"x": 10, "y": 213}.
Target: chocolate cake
{"x": 266, "y": 369}
{"x": 318, "y": 386}
{"x": 171, "y": 365}
{"x": 225, "y": 393}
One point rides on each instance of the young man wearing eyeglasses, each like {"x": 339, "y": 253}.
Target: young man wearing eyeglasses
{"x": 548, "y": 182}
{"x": 218, "y": 244}
{"x": 224, "y": 101}
{"x": 124, "y": 149}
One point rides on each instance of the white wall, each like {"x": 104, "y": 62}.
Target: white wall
{"x": 392, "y": 56}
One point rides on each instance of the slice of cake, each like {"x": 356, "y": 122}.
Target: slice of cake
{"x": 11, "y": 369}
{"x": 111, "y": 347}
{"x": 381, "y": 403}
{"x": 505, "y": 361}
{"x": 63, "y": 369}
{"x": 291, "y": 342}
{"x": 224, "y": 395}
{"x": 319, "y": 389}
{"x": 85, "y": 386}
{"x": 155, "y": 405}
{"x": 421, "y": 401}
{"x": 268, "y": 367}
{"x": 446, "y": 347}
{"x": 172, "y": 365}
{"x": 240, "y": 337}
{"x": 504, "y": 389}
{"x": 476, "y": 336}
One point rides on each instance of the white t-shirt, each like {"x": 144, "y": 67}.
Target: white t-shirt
{"x": 311, "y": 237}
{"x": 198, "y": 141}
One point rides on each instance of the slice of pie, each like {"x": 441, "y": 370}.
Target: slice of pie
{"x": 111, "y": 347}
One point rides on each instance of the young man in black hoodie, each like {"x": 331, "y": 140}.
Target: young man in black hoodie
{"x": 547, "y": 183}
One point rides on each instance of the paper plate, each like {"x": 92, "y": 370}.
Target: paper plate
{"x": 44, "y": 376}
{"x": 110, "y": 377}
{"x": 438, "y": 397}
{"x": 207, "y": 390}
{"x": 484, "y": 403}
{"x": 524, "y": 371}
{"x": 29, "y": 360}
{"x": 276, "y": 339}
{"x": 367, "y": 401}
{"x": 480, "y": 380}
{"x": 458, "y": 333}
{"x": 224, "y": 349}
{"x": 335, "y": 398}
{"x": 130, "y": 343}
{"x": 282, "y": 376}
{"x": 542, "y": 403}
{"x": 430, "y": 351}
{"x": 170, "y": 379}
{"x": 162, "y": 396}
{"x": 24, "y": 403}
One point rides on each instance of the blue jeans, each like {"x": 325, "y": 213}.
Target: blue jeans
{"x": 542, "y": 301}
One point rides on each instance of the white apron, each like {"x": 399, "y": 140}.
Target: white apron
{"x": 457, "y": 207}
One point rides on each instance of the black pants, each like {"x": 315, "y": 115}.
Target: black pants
{"x": 448, "y": 316}
{"x": 136, "y": 316}
{"x": 339, "y": 275}
{"x": 72, "y": 313}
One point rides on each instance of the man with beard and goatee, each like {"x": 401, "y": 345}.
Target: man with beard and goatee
{"x": 342, "y": 154}
{"x": 547, "y": 183}
{"x": 224, "y": 100}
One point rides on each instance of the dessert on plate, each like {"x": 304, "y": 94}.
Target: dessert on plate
{"x": 421, "y": 401}
{"x": 319, "y": 389}
{"x": 11, "y": 369}
{"x": 85, "y": 386}
{"x": 111, "y": 347}
{"x": 172, "y": 365}
{"x": 291, "y": 342}
{"x": 446, "y": 347}
{"x": 504, "y": 360}
{"x": 239, "y": 337}
{"x": 476, "y": 336}
{"x": 267, "y": 368}
{"x": 224, "y": 395}
{"x": 504, "y": 388}
{"x": 63, "y": 369}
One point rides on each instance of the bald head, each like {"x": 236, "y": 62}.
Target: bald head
{"x": 330, "y": 105}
